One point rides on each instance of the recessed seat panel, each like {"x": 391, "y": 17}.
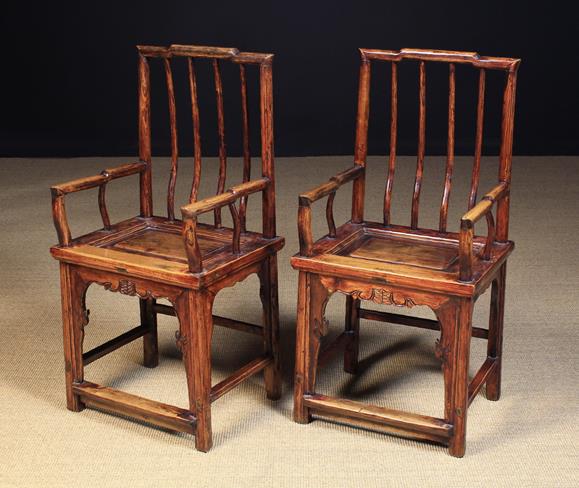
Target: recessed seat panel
{"x": 156, "y": 245}
{"x": 166, "y": 244}
{"x": 410, "y": 252}
{"x": 401, "y": 255}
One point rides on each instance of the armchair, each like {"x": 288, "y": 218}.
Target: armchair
{"x": 186, "y": 262}
{"x": 408, "y": 265}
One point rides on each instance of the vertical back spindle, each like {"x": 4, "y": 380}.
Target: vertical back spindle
{"x": 196, "y": 131}
{"x": 330, "y": 215}
{"x": 174, "y": 144}
{"x": 221, "y": 135}
{"x": 490, "y": 236}
{"x": 235, "y": 242}
{"x": 246, "y": 148}
{"x": 478, "y": 140}
{"x": 361, "y": 148}
{"x": 145, "y": 180}
{"x": 449, "y": 150}
{"x": 421, "y": 145}
{"x": 506, "y": 153}
{"x": 103, "y": 205}
{"x": 393, "y": 137}
{"x": 267, "y": 157}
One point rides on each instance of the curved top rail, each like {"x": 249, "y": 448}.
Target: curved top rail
{"x": 191, "y": 51}
{"x": 442, "y": 56}
{"x": 203, "y": 51}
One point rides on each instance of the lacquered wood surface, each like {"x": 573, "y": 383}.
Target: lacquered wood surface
{"x": 183, "y": 261}
{"x": 408, "y": 252}
{"x": 409, "y": 265}
{"x": 154, "y": 242}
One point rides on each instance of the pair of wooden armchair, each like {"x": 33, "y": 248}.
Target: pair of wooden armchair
{"x": 188, "y": 263}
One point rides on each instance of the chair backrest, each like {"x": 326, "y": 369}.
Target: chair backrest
{"x": 452, "y": 58}
{"x": 215, "y": 55}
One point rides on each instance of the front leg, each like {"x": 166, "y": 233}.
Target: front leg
{"x": 444, "y": 349}
{"x": 74, "y": 318}
{"x": 311, "y": 327}
{"x": 194, "y": 309}
{"x": 269, "y": 299}
{"x": 454, "y": 350}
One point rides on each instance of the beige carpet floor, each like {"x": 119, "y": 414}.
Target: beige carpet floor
{"x": 528, "y": 438}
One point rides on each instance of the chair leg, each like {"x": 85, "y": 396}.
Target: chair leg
{"x": 311, "y": 326}
{"x": 447, "y": 317}
{"x": 150, "y": 339}
{"x": 460, "y": 363}
{"x": 73, "y": 320}
{"x": 269, "y": 299}
{"x": 352, "y": 326}
{"x": 194, "y": 310}
{"x": 495, "y": 342}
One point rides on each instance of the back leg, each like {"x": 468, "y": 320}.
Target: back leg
{"x": 495, "y": 342}
{"x": 352, "y": 327}
{"x": 269, "y": 300}
{"x": 150, "y": 339}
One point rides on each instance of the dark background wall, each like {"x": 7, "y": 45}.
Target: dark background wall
{"x": 69, "y": 70}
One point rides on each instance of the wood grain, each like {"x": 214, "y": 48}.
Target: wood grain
{"x": 408, "y": 266}
{"x": 421, "y": 145}
{"x": 361, "y": 145}
{"x": 196, "y": 130}
{"x": 220, "y": 137}
{"x": 150, "y": 258}
{"x": 472, "y": 58}
{"x": 393, "y": 140}
{"x": 246, "y": 145}
{"x": 116, "y": 401}
{"x": 449, "y": 150}
{"x": 146, "y": 181}
{"x": 478, "y": 139}
{"x": 174, "y": 143}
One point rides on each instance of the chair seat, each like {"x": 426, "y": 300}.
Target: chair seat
{"x": 154, "y": 246}
{"x": 401, "y": 256}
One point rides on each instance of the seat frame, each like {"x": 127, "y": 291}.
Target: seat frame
{"x": 450, "y": 293}
{"x": 191, "y": 284}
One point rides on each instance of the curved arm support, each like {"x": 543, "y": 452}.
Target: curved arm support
{"x": 467, "y": 222}
{"x": 100, "y": 181}
{"x": 306, "y": 199}
{"x": 228, "y": 198}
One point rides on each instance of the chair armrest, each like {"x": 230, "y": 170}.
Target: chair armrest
{"x": 103, "y": 178}
{"x": 191, "y": 211}
{"x": 480, "y": 210}
{"x": 226, "y": 198}
{"x": 332, "y": 185}
{"x": 306, "y": 199}
{"x": 100, "y": 181}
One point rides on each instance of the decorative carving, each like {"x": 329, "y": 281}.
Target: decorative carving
{"x": 190, "y": 236}
{"x": 321, "y": 323}
{"x": 181, "y": 341}
{"x": 381, "y": 296}
{"x": 128, "y": 287}
{"x": 321, "y": 327}
{"x": 262, "y": 290}
{"x": 85, "y": 311}
{"x": 441, "y": 352}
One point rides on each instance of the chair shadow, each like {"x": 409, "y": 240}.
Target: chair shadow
{"x": 352, "y": 388}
